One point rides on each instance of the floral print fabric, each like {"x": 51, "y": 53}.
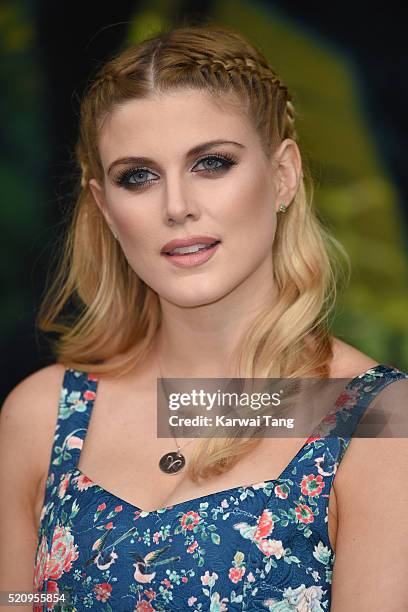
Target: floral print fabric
{"x": 260, "y": 547}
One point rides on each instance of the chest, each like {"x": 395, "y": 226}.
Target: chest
{"x": 121, "y": 453}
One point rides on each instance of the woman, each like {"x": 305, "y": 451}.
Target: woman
{"x": 188, "y": 142}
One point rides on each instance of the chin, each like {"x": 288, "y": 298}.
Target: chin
{"x": 194, "y": 298}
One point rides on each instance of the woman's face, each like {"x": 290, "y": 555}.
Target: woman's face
{"x": 156, "y": 189}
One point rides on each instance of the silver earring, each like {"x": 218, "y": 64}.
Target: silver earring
{"x": 282, "y": 208}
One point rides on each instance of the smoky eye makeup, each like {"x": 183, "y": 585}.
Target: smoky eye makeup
{"x": 138, "y": 177}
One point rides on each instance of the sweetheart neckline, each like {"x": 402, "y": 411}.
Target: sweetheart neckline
{"x": 270, "y": 481}
{"x": 223, "y": 492}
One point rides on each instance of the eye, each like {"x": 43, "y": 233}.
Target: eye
{"x": 133, "y": 177}
{"x": 217, "y": 163}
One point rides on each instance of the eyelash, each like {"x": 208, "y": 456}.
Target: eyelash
{"x": 122, "y": 179}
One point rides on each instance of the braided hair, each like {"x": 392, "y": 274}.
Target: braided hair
{"x": 213, "y": 58}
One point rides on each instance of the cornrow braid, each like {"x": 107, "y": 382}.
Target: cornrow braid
{"x": 290, "y": 125}
{"x": 268, "y": 88}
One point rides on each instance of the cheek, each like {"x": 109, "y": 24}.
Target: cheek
{"x": 131, "y": 219}
{"x": 137, "y": 232}
{"x": 251, "y": 213}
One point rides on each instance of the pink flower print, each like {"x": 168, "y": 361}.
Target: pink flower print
{"x": 109, "y": 525}
{"x": 191, "y": 601}
{"x": 166, "y": 583}
{"x": 312, "y": 485}
{"x": 265, "y": 525}
{"x": 281, "y": 491}
{"x": 224, "y": 503}
{"x": 101, "y": 507}
{"x": 92, "y": 377}
{"x": 190, "y": 520}
{"x": 192, "y": 547}
{"x": 184, "y": 579}
{"x": 63, "y": 553}
{"x": 103, "y": 591}
{"x": 304, "y": 513}
{"x": 63, "y": 485}
{"x": 236, "y": 573}
{"x": 74, "y": 442}
{"x": 118, "y": 508}
{"x": 271, "y": 547}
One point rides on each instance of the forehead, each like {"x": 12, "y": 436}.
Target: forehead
{"x": 171, "y": 123}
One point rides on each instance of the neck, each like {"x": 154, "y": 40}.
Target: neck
{"x": 202, "y": 341}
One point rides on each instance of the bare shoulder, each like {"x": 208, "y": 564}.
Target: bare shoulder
{"x": 33, "y": 397}
{"x": 348, "y": 361}
{"x": 27, "y": 422}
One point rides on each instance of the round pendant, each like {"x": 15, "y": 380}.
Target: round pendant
{"x": 171, "y": 463}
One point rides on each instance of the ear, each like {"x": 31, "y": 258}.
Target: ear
{"x": 287, "y": 164}
{"x": 99, "y": 197}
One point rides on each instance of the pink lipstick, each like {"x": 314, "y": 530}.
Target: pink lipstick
{"x": 191, "y": 251}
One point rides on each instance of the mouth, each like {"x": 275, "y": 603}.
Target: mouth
{"x": 192, "y": 255}
{"x": 188, "y": 250}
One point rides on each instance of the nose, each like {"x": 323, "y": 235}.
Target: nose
{"x": 179, "y": 204}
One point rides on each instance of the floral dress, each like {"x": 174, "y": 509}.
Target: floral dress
{"x": 259, "y": 547}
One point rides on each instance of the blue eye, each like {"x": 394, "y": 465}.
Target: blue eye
{"x": 129, "y": 177}
{"x": 213, "y": 160}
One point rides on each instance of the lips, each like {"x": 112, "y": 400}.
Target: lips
{"x": 185, "y": 242}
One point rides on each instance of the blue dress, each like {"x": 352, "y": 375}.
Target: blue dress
{"x": 258, "y": 547}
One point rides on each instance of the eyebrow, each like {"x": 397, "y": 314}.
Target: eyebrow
{"x": 201, "y": 148}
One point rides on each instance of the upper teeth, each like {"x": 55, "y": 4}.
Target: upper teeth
{"x": 189, "y": 249}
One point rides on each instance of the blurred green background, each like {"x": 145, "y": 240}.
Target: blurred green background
{"x": 350, "y": 102}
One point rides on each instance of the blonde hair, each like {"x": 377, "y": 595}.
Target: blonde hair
{"x": 115, "y": 313}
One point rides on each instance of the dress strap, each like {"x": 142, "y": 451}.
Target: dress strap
{"x": 336, "y": 429}
{"x": 352, "y": 404}
{"x": 77, "y": 397}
